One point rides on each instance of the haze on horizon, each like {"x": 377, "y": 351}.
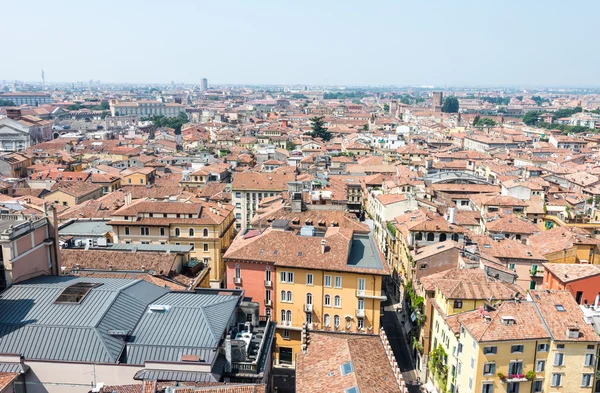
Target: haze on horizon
{"x": 437, "y": 42}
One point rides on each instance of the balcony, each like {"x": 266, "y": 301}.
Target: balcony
{"x": 268, "y": 302}
{"x": 308, "y": 308}
{"x": 360, "y": 313}
{"x": 268, "y": 283}
{"x": 237, "y": 280}
{"x": 536, "y": 272}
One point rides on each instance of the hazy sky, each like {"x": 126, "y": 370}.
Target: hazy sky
{"x": 445, "y": 42}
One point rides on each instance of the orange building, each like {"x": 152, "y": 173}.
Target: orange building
{"x": 582, "y": 280}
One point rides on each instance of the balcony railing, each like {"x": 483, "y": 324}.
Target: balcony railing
{"x": 268, "y": 302}
{"x": 268, "y": 283}
{"x": 308, "y": 308}
{"x": 360, "y": 312}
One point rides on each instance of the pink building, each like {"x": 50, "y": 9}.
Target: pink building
{"x": 256, "y": 279}
{"x": 28, "y": 248}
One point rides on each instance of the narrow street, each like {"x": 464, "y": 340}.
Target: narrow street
{"x": 400, "y": 346}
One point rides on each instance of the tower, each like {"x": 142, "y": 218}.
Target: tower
{"x": 437, "y": 101}
{"x": 204, "y": 84}
{"x": 43, "y": 79}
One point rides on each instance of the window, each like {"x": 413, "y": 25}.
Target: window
{"x": 283, "y": 316}
{"x": 543, "y": 347}
{"x": 127, "y": 230}
{"x": 489, "y": 368}
{"x": 540, "y": 366}
{"x": 470, "y": 383}
{"x": 326, "y": 320}
{"x": 487, "y": 387}
{"x": 338, "y": 281}
{"x": 459, "y": 369}
{"x": 193, "y": 246}
{"x": 308, "y": 318}
{"x": 559, "y": 359}
{"x": 458, "y": 303}
{"x": 177, "y": 232}
{"x": 511, "y": 266}
{"x": 309, "y": 298}
{"x": 290, "y": 277}
{"x": 430, "y": 237}
{"x": 286, "y": 334}
{"x": 144, "y": 231}
{"x": 472, "y": 362}
{"x": 289, "y": 316}
{"x": 238, "y": 272}
{"x": 419, "y": 236}
{"x": 556, "y": 380}
{"x": 162, "y": 231}
{"x": 337, "y": 301}
{"x": 515, "y": 367}
{"x": 589, "y": 360}
{"x": 328, "y": 281}
{"x": 282, "y": 277}
{"x": 74, "y": 294}
{"x": 327, "y": 300}
{"x": 560, "y": 346}
{"x": 537, "y": 386}
{"x": 516, "y": 348}
{"x": 289, "y": 296}
{"x": 442, "y": 237}
{"x": 360, "y": 323}
{"x": 560, "y": 308}
{"x": 205, "y": 232}
{"x": 267, "y": 275}
{"x": 336, "y": 320}
{"x": 586, "y": 380}
{"x": 489, "y": 350}
{"x": 309, "y": 279}
{"x": 361, "y": 304}
{"x": 283, "y": 296}
{"x": 361, "y": 285}
{"x": 205, "y": 246}
{"x": 191, "y": 232}
{"x": 238, "y": 194}
{"x": 346, "y": 368}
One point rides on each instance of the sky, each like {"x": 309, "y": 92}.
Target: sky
{"x": 514, "y": 43}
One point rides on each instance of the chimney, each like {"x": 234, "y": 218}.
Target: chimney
{"x": 228, "y": 357}
{"x": 451, "y": 211}
{"x": 13, "y": 113}
{"x": 323, "y": 246}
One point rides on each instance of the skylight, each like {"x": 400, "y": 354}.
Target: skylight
{"x": 353, "y": 389}
{"x": 560, "y": 307}
{"x": 74, "y": 294}
{"x": 346, "y": 368}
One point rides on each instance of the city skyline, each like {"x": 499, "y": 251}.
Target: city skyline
{"x": 438, "y": 44}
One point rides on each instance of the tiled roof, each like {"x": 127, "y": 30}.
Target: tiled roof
{"x": 567, "y": 272}
{"x": 319, "y": 369}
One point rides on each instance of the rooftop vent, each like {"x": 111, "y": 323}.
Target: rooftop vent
{"x": 158, "y": 308}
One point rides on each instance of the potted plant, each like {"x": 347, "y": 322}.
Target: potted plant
{"x": 501, "y": 376}
{"x": 530, "y": 375}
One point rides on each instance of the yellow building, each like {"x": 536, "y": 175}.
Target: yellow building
{"x": 207, "y": 227}
{"x": 138, "y": 176}
{"x": 326, "y": 281}
{"x": 538, "y": 345}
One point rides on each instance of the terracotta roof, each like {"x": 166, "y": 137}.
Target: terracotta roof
{"x": 319, "y": 369}
{"x": 568, "y": 272}
{"x": 262, "y": 181}
{"x": 159, "y": 262}
{"x": 559, "y": 310}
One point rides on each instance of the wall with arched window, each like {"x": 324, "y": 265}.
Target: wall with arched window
{"x": 177, "y": 232}
{"x": 191, "y": 232}
{"x": 205, "y": 232}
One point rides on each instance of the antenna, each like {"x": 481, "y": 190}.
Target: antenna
{"x": 43, "y": 78}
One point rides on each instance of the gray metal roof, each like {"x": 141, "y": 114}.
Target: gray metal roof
{"x": 13, "y": 368}
{"x": 33, "y": 325}
{"x": 180, "y": 376}
{"x": 195, "y": 322}
{"x": 364, "y": 254}
{"x": 85, "y": 227}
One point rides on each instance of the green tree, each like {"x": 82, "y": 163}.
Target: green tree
{"x": 486, "y": 122}
{"x": 365, "y": 127}
{"x": 318, "y": 129}
{"x": 450, "y": 105}
{"x": 104, "y": 105}
{"x": 386, "y": 108}
{"x": 476, "y": 120}
{"x": 405, "y": 100}
{"x": 531, "y": 118}
{"x": 6, "y": 103}
{"x": 290, "y": 145}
